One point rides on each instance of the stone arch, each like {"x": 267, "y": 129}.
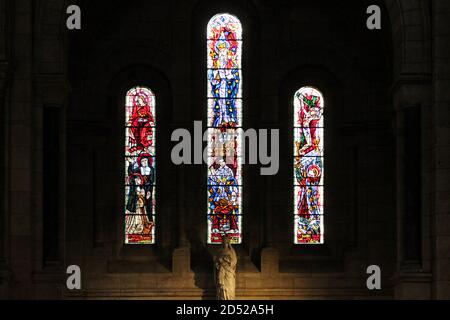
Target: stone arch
{"x": 411, "y": 31}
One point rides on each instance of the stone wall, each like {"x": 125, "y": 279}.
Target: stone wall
{"x": 385, "y": 197}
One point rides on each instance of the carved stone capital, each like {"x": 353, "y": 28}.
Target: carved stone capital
{"x": 409, "y": 90}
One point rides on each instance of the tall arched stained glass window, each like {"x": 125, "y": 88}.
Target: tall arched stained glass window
{"x": 140, "y": 176}
{"x": 224, "y": 74}
{"x": 308, "y": 166}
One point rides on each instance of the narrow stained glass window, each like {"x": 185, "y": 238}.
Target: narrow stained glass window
{"x": 224, "y": 92}
{"x": 308, "y": 166}
{"x": 140, "y": 166}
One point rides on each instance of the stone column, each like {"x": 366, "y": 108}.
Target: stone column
{"x": 21, "y": 169}
{"x": 5, "y": 83}
{"x": 5, "y": 272}
{"x": 49, "y": 184}
{"x": 411, "y": 96}
{"x": 441, "y": 147}
{"x": 409, "y": 201}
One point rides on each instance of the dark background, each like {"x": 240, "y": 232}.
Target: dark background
{"x": 387, "y": 147}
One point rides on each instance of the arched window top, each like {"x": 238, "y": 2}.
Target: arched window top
{"x": 308, "y": 101}
{"x": 308, "y": 166}
{"x": 224, "y": 37}
{"x": 140, "y": 90}
{"x": 140, "y": 164}
{"x": 224, "y": 25}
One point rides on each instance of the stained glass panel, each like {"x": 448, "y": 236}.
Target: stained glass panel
{"x": 308, "y": 166}
{"x": 140, "y": 164}
{"x": 224, "y": 116}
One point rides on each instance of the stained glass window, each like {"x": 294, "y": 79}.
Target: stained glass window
{"x": 308, "y": 166}
{"x": 140, "y": 166}
{"x": 224, "y": 92}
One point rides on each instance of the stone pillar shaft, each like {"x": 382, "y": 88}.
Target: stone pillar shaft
{"x": 441, "y": 147}
{"x": 409, "y": 148}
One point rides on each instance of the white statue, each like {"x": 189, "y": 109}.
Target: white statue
{"x": 225, "y": 270}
